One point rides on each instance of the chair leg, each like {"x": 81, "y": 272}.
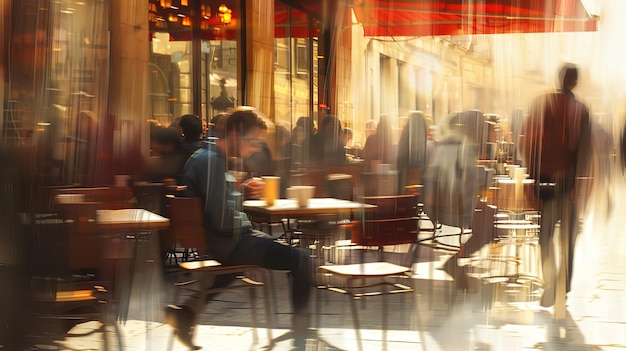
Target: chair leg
{"x": 270, "y": 279}
{"x": 384, "y": 321}
{"x": 255, "y": 334}
{"x": 355, "y": 320}
{"x": 268, "y": 309}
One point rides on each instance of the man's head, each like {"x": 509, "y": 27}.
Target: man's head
{"x": 191, "y": 126}
{"x": 240, "y": 133}
{"x": 164, "y": 140}
{"x": 568, "y": 76}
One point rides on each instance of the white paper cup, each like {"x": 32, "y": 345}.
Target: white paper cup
{"x": 301, "y": 193}
{"x": 306, "y": 193}
{"x": 512, "y": 169}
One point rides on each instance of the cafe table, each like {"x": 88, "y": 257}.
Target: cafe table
{"x": 328, "y": 209}
{"x": 259, "y": 211}
{"x": 131, "y": 247}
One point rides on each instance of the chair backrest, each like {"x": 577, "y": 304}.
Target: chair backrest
{"x": 315, "y": 177}
{"x": 81, "y": 227}
{"x": 392, "y": 206}
{"x": 385, "y": 232}
{"x": 393, "y": 222}
{"x": 186, "y": 222}
{"x": 65, "y": 242}
{"x": 150, "y": 196}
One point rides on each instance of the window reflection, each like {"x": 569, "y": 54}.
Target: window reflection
{"x": 174, "y": 56}
{"x": 295, "y": 46}
{"x": 57, "y": 92}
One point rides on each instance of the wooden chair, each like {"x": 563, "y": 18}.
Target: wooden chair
{"x": 186, "y": 232}
{"x": 393, "y": 226}
{"x": 187, "y": 228}
{"x": 67, "y": 287}
{"x": 150, "y": 196}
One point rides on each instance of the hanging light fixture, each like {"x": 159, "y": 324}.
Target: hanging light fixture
{"x": 226, "y": 14}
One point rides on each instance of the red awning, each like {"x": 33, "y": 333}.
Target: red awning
{"x": 291, "y": 23}
{"x": 462, "y": 17}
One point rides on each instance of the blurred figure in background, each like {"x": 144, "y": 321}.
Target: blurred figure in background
{"x": 370, "y": 128}
{"x": 261, "y": 162}
{"x": 352, "y": 151}
{"x": 378, "y": 146}
{"x": 412, "y": 151}
{"x": 191, "y": 126}
{"x": 326, "y": 147}
{"x": 283, "y": 156}
{"x": 300, "y": 140}
{"x": 167, "y": 156}
{"x": 451, "y": 188}
{"x": 556, "y": 149}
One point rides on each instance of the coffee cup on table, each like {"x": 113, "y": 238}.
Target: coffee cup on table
{"x": 272, "y": 189}
{"x": 301, "y": 193}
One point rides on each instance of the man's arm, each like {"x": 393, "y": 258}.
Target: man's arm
{"x": 206, "y": 178}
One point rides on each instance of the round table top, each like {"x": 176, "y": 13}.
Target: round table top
{"x": 521, "y": 224}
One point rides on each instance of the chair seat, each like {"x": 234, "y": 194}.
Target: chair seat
{"x": 195, "y": 265}
{"x": 369, "y": 269}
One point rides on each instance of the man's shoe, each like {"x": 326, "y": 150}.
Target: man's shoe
{"x": 182, "y": 320}
{"x": 300, "y": 326}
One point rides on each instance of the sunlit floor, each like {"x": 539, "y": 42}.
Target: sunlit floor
{"x": 495, "y": 316}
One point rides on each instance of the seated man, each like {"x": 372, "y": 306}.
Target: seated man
{"x": 229, "y": 234}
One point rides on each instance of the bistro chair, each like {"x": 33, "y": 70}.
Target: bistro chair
{"x": 392, "y": 233}
{"x": 150, "y": 196}
{"x": 187, "y": 228}
{"x": 67, "y": 285}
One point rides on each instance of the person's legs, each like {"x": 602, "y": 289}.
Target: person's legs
{"x": 549, "y": 217}
{"x": 573, "y": 234}
{"x": 263, "y": 252}
{"x": 267, "y": 253}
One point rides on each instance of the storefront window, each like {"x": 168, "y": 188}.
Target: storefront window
{"x": 193, "y": 56}
{"x": 295, "y": 69}
{"x": 56, "y": 96}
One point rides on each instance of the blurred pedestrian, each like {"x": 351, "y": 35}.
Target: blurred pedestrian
{"x": 556, "y": 149}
